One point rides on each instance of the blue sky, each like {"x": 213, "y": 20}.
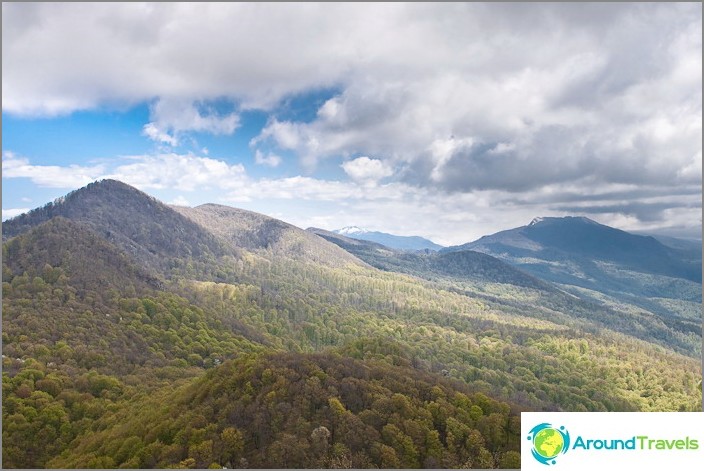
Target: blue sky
{"x": 447, "y": 121}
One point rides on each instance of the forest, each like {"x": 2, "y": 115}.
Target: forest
{"x": 137, "y": 336}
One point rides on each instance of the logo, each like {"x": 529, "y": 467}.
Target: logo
{"x": 548, "y": 442}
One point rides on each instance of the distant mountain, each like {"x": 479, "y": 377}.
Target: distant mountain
{"x": 465, "y": 265}
{"x": 584, "y": 238}
{"x": 689, "y": 249}
{"x": 389, "y": 240}
{"x": 593, "y": 258}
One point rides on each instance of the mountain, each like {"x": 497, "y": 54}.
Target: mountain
{"x": 143, "y": 227}
{"x": 464, "y": 264}
{"x": 670, "y": 321}
{"x": 602, "y": 263}
{"x": 393, "y": 241}
{"x": 247, "y": 230}
{"x": 139, "y": 337}
{"x": 61, "y": 242}
{"x": 582, "y": 237}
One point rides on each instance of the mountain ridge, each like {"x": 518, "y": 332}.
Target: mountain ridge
{"x": 252, "y": 347}
{"x": 592, "y": 260}
{"x": 410, "y": 243}
{"x": 139, "y": 224}
{"x": 587, "y": 238}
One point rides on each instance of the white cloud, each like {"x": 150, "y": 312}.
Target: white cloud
{"x": 463, "y": 99}
{"x": 396, "y": 207}
{"x": 12, "y": 212}
{"x": 172, "y": 117}
{"x": 49, "y": 176}
{"x": 152, "y": 132}
{"x": 270, "y": 160}
{"x": 179, "y": 201}
{"x": 364, "y": 169}
{"x": 184, "y": 172}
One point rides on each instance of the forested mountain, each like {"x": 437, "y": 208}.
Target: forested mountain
{"x": 229, "y": 337}
{"x": 500, "y": 284}
{"x": 580, "y": 237}
{"x": 604, "y": 264}
{"x": 309, "y": 411}
{"x": 465, "y": 264}
{"x": 264, "y": 235}
{"x": 411, "y": 243}
{"x": 143, "y": 227}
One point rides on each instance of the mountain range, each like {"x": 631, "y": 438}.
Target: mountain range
{"x": 142, "y": 335}
{"x": 410, "y": 243}
{"x": 601, "y": 263}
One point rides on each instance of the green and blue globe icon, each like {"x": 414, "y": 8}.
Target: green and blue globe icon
{"x": 548, "y": 442}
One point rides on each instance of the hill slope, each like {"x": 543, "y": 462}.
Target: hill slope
{"x": 143, "y": 227}
{"x": 601, "y": 263}
{"x": 308, "y": 411}
{"x": 507, "y": 288}
{"x": 255, "y": 232}
{"x": 94, "y": 363}
{"x": 464, "y": 264}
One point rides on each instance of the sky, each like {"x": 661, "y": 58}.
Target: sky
{"x": 448, "y": 121}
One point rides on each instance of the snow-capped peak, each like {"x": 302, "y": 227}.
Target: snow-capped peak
{"x": 536, "y": 221}
{"x": 351, "y": 230}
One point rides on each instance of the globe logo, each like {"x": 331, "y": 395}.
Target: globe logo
{"x": 548, "y": 442}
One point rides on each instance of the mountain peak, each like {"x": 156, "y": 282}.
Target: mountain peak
{"x": 130, "y": 219}
{"x": 564, "y": 219}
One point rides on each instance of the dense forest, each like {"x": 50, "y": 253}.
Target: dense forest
{"x": 262, "y": 345}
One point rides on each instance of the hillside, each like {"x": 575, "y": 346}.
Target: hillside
{"x": 602, "y": 264}
{"x": 115, "y": 359}
{"x": 143, "y": 227}
{"x": 308, "y": 411}
{"x": 61, "y": 242}
{"x": 465, "y": 264}
{"x": 512, "y": 290}
{"x": 255, "y": 232}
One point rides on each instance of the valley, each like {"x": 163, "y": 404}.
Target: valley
{"x": 140, "y": 335}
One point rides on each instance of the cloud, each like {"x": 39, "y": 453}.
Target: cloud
{"x": 12, "y": 212}
{"x": 174, "y": 117}
{"x": 643, "y": 212}
{"x": 184, "y": 172}
{"x": 179, "y": 201}
{"x": 397, "y": 207}
{"x": 48, "y": 176}
{"x": 155, "y": 134}
{"x": 364, "y": 169}
{"x": 545, "y": 93}
{"x": 525, "y": 104}
{"x": 270, "y": 160}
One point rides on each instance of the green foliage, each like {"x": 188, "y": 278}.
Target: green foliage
{"x": 207, "y": 342}
{"x": 275, "y": 411}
